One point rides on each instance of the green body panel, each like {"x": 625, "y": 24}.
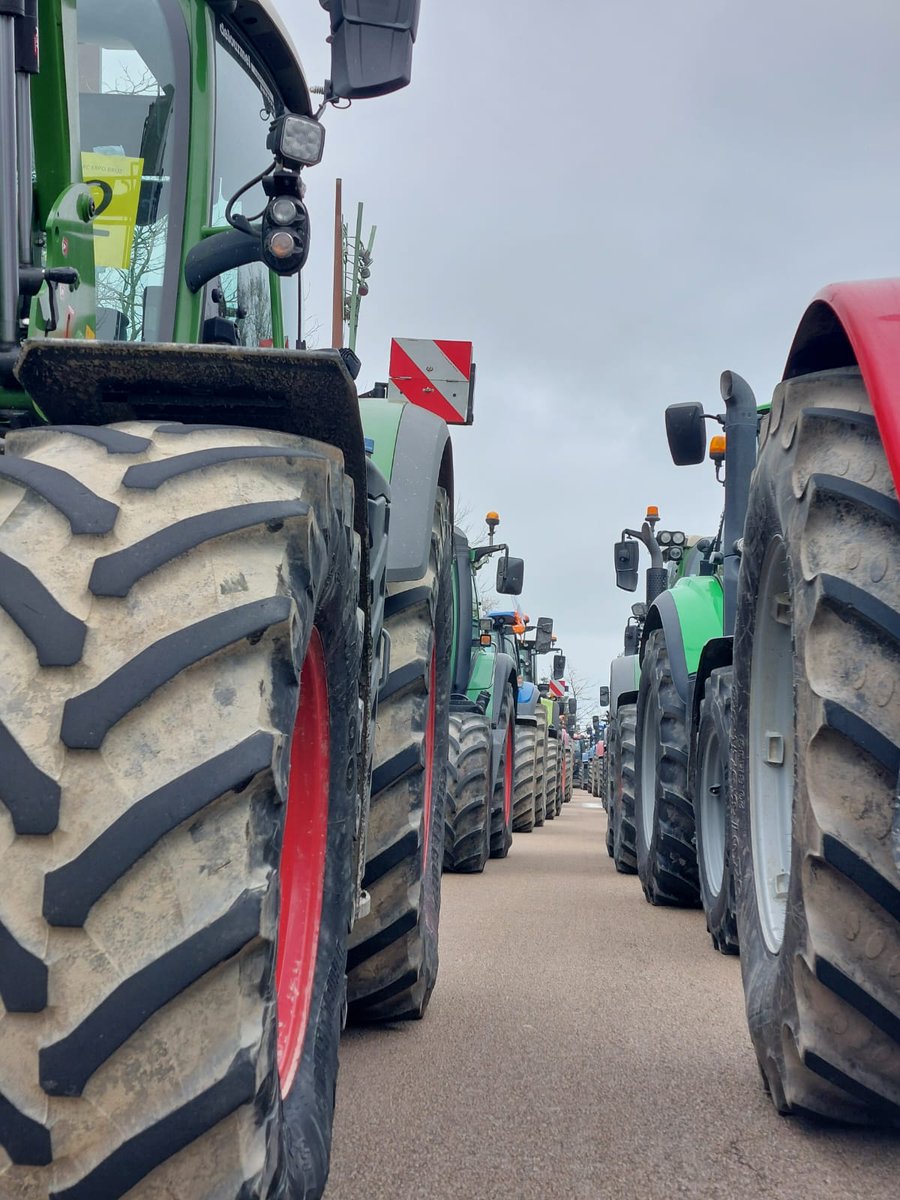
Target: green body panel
{"x": 381, "y": 423}
{"x": 699, "y": 602}
{"x": 70, "y": 243}
{"x": 481, "y": 678}
{"x": 548, "y": 708}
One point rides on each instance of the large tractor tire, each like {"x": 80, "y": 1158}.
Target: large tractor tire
{"x": 540, "y": 767}
{"x": 525, "y": 777}
{"x": 624, "y": 831}
{"x": 179, "y": 734}
{"x": 393, "y": 955}
{"x": 816, "y": 751}
{"x": 502, "y": 800}
{"x": 467, "y": 818}
{"x": 570, "y": 770}
{"x": 664, "y": 815}
{"x": 712, "y": 812}
{"x": 551, "y": 778}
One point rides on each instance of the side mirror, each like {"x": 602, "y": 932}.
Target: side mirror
{"x": 573, "y": 706}
{"x": 543, "y": 635}
{"x": 686, "y": 434}
{"x": 627, "y": 556}
{"x": 510, "y": 575}
{"x": 639, "y": 610}
{"x": 559, "y": 666}
{"x": 371, "y": 46}
{"x": 604, "y": 699}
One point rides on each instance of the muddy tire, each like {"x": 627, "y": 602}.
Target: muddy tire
{"x": 467, "y": 839}
{"x": 524, "y": 777}
{"x": 712, "y": 812}
{"x": 393, "y": 954}
{"x": 551, "y": 779}
{"x": 815, "y": 756}
{"x": 540, "y": 767}
{"x": 502, "y": 800}
{"x": 179, "y": 718}
{"x": 664, "y": 815}
{"x": 623, "y": 816}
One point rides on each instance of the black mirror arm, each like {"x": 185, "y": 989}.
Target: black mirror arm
{"x": 480, "y": 552}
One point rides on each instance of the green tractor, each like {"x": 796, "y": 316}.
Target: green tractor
{"x": 675, "y": 561}
{"x": 224, "y": 707}
{"x": 479, "y": 819}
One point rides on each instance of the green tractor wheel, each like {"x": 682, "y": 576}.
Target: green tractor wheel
{"x": 525, "y": 777}
{"x": 179, "y": 719}
{"x": 502, "y": 800}
{"x": 622, "y": 788}
{"x": 664, "y": 815}
{"x": 712, "y": 811}
{"x": 467, "y": 818}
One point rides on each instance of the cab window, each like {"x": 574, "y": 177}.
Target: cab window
{"x": 131, "y": 99}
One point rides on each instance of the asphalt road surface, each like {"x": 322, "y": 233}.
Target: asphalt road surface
{"x": 579, "y": 1045}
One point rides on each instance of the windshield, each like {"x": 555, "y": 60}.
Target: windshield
{"x": 131, "y": 101}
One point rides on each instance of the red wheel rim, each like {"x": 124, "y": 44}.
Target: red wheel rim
{"x": 508, "y": 775}
{"x": 303, "y": 855}
{"x": 429, "y": 757}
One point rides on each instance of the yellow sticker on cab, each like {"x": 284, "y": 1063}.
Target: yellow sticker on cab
{"x": 115, "y": 183}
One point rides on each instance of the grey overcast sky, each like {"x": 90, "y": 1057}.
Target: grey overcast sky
{"x": 614, "y": 200}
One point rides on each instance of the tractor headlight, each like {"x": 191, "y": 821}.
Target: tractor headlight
{"x": 297, "y": 141}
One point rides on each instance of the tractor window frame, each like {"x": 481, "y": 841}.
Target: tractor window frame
{"x": 179, "y": 45}
{"x": 231, "y": 46}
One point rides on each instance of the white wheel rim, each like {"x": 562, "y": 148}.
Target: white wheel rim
{"x": 712, "y": 814}
{"x": 771, "y": 749}
{"x": 648, "y": 767}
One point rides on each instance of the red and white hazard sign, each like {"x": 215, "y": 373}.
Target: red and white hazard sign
{"x": 557, "y": 688}
{"x": 437, "y": 375}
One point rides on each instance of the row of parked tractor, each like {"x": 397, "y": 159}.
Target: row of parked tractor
{"x": 750, "y": 762}
{"x": 511, "y": 762}
{"x": 236, "y": 622}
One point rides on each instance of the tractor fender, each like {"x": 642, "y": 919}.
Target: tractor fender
{"x": 690, "y": 613}
{"x": 423, "y": 462}
{"x": 624, "y": 673}
{"x": 719, "y": 652}
{"x": 856, "y": 325}
{"x": 529, "y": 697}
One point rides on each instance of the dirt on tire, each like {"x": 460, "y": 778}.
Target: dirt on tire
{"x": 167, "y": 581}
{"x": 393, "y": 953}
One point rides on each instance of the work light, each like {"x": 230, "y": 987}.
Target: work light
{"x": 296, "y": 141}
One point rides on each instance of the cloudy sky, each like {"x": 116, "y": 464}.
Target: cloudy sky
{"x": 614, "y": 201}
